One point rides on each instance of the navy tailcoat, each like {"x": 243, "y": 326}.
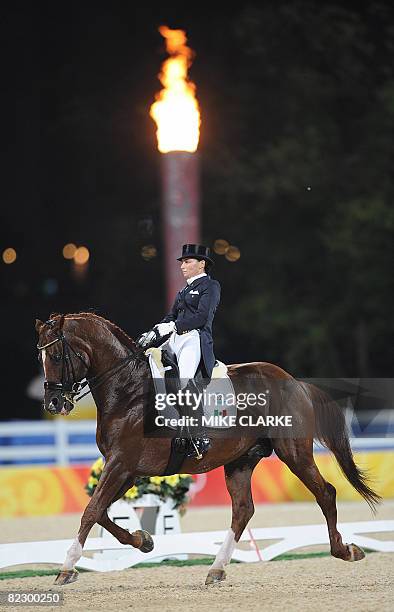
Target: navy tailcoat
{"x": 194, "y": 308}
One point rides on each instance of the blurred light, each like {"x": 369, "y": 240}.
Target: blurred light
{"x": 145, "y": 226}
{"x": 220, "y": 246}
{"x": 148, "y": 252}
{"x": 9, "y": 255}
{"x": 69, "y": 250}
{"x": 233, "y": 253}
{"x": 81, "y": 256}
{"x": 50, "y": 286}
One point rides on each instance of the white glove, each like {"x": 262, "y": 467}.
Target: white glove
{"x": 163, "y": 329}
{"x": 146, "y": 338}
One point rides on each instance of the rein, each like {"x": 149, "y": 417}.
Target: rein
{"x": 69, "y": 386}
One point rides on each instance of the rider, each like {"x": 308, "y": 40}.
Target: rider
{"x": 189, "y": 324}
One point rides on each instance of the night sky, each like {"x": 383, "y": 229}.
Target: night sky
{"x": 80, "y": 164}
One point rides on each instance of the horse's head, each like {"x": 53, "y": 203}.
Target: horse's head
{"x": 65, "y": 362}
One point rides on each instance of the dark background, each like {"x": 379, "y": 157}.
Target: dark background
{"x": 297, "y": 157}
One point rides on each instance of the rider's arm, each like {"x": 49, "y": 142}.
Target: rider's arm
{"x": 147, "y": 337}
{"x": 209, "y": 301}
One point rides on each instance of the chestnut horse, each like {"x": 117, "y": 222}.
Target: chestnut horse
{"x": 84, "y": 345}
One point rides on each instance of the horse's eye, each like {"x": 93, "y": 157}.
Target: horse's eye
{"x": 57, "y": 357}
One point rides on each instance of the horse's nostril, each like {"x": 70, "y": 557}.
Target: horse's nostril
{"x": 54, "y": 401}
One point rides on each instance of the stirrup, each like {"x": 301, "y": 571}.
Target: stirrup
{"x": 198, "y": 447}
{"x": 194, "y": 448}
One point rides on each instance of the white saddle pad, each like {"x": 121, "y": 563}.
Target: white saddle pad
{"x": 219, "y": 398}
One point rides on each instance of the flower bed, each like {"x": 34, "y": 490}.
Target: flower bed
{"x": 174, "y": 487}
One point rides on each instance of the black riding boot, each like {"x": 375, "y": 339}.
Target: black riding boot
{"x": 195, "y": 443}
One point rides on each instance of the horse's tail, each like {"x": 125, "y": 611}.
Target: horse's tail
{"x": 331, "y": 431}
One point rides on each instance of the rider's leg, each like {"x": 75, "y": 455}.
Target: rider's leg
{"x": 188, "y": 350}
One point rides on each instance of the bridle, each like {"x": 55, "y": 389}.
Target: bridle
{"x": 69, "y": 386}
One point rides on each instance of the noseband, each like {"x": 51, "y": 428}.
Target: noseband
{"x": 69, "y": 386}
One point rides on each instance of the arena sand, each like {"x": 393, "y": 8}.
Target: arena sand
{"x": 322, "y": 584}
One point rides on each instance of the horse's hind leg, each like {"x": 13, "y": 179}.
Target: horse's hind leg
{"x": 238, "y": 475}
{"x": 298, "y": 456}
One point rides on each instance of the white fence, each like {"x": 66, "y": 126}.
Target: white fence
{"x": 17, "y": 440}
{"x": 200, "y": 543}
{"x": 61, "y": 451}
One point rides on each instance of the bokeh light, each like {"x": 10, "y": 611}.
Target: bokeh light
{"x": 69, "y": 250}
{"x": 233, "y": 253}
{"x": 50, "y": 286}
{"x": 81, "y": 255}
{"x": 220, "y": 246}
{"x": 148, "y": 252}
{"x": 9, "y": 255}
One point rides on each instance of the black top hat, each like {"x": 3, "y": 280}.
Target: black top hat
{"x": 196, "y": 251}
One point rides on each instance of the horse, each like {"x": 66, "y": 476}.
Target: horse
{"x": 77, "y": 346}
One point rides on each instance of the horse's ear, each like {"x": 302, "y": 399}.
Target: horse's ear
{"x": 39, "y": 324}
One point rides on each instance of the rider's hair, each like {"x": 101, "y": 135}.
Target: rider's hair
{"x": 208, "y": 266}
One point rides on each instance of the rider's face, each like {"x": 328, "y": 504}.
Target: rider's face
{"x": 191, "y": 267}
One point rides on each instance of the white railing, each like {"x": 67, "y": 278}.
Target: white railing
{"x": 199, "y": 543}
{"x": 62, "y": 451}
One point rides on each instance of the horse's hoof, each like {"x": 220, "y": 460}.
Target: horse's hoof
{"x": 356, "y": 553}
{"x": 215, "y": 575}
{"x": 147, "y": 541}
{"x": 66, "y": 577}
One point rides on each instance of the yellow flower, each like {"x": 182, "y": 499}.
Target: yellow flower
{"x": 92, "y": 482}
{"x": 157, "y": 480}
{"x": 131, "y": 493}
{"x": 184, "y": 475}
{"x": 98, "y": 465}
{"x": 172, "y": 480}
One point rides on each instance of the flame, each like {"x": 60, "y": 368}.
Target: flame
{"x": 176, "y": 110}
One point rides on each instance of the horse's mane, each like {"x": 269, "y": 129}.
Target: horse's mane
{"x": 115, "y": 329}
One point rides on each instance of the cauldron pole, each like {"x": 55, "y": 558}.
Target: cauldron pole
{"x": 180, "y": 212}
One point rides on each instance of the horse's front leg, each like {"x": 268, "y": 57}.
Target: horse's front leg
{"x": 111, "y": 482}
{"x": 123, "y": 536}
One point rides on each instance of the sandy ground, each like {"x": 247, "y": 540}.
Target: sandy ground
{"x": 322, "y": 584}
{"x": 309, "y": 585}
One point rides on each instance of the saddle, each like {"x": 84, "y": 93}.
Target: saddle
{"x": 190, "y": 438}
{"x": 217, "y": 392}
{"x": 165, "y": 374}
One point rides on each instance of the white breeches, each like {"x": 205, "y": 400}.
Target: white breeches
{"x": 187, "y": 349}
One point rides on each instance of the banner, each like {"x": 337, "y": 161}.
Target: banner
{"x": 272, "y": 480}
{"x": 29, "y": 491}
